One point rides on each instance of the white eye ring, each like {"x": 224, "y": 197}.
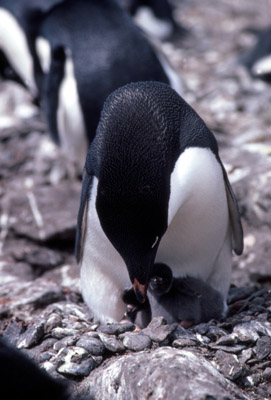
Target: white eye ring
{"x": 156, "y": 240}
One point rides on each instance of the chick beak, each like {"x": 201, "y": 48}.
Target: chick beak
{"x": 140, "y": 291}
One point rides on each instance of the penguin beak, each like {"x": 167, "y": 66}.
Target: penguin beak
{"x": 140, "y": 291}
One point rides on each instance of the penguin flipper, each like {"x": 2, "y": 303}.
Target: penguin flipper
{"x": 82, "y": 215}
{"x": 236, "y": 226}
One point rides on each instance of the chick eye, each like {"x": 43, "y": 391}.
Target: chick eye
{"x": 154, "y": 243}
{"x": 156, "y": 280}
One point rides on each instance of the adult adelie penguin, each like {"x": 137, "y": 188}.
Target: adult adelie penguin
{"x": 19, "y": 24}
{"x": 94, "y": 48}
{"x": 154, "y": 189}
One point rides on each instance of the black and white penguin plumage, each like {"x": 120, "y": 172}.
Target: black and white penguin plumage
{"x": 258, "y": 59}
{"x": 188, "y": 300}
{"x": 94, "y": 48}
{"x": 154, "y": 190}
{"x": 155, "y": 17}
{"x": 19, "y": 25}
{"x": 21, "y": 378}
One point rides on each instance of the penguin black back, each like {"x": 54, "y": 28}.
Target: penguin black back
{"x": 107, "y": 51}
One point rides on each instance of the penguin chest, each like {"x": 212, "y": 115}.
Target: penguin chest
{"x": 198, "y": 217}
{"x": 104, "y": 274}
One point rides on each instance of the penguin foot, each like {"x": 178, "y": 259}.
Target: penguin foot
{"x": 185, "y": 324}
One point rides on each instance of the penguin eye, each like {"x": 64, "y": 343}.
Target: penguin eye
{"x": 156, "y": 280}
{"x": 154, "y": 243}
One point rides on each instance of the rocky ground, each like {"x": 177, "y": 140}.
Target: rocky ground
{"x": 41, "y": 309}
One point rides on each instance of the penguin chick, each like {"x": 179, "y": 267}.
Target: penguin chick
{"x": 154, "y": 190}
{"x": 186, "y": 300}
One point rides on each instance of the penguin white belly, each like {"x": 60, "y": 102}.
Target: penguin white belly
{"x": 70, "y": 120}
{"x": 198, "y": 240}
{"x": 14, "y": 44}
{"x": 104, "y": 274}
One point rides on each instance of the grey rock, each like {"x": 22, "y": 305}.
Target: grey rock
{"x": 45, "y": 356}
{"x": 29, "y": 295}
{"x": 239, "y": 293}
{"x": 227, "y": 340}
{"x": 40, "y": 258}
{"x": 245, "y": 356}
{"x": 263, "y": 347}
{"x": 38, "y": 213}
{"x": 229, "y": 365}
{"x": 228, "y": 349}
{"x": 251, "y": 381}
{"x": 137, "y": 341}
{"x": 77, "y": 370}
{"x": 111, "y": 343}
{"x": 60, "y": 333}
{"x": 52, "y": 322}
{"x": 13, "y": 330}
{"x": 93, "y": 345}
{"x": 32, "y": 335}
{"x": 246, "y": 333}
{"x": 215, "y": 332}
{"x": 72, "y": 354}
{"x": 66, "y": 341}
{"x": 184, "y": 342}
{"x": 267, "y": 374}
{"x": 116, "y": 329}
{"x": 164, "y": 373}
{"x": 158, "y": 331}
{"x": 11, "y": 271}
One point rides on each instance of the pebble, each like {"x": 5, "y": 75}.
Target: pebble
{"x": 263, "y": 347}
{"x": 137, "y": 341}
{"x": 239, "y": 293}
{"x": 92, "y": 345}
{"x": 32, "y": 335}
{"x": 116, "y": 329}
{"x": 245, "y": 356}
{"x": 45, "y": 356}
{"x": 52, "y": 322}
{"x": 184, "y": 342}
{"x": 111, "y": 343}
{"x": 77, "y": 370}
{"x": 229, "y": 365}
{"x": 246, "y": 333}
{"x": 267, "y": 374}
{"x": 65, "y": 342}
{"x": 158, "y": 331}
{"x": 228, "y": 349}
{"x": 60, "y": 333}
{"x": 13, "y": 331}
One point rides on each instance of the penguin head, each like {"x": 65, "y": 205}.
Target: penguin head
{"x": 161, "y": 279}
{"x": 134, "y": 218}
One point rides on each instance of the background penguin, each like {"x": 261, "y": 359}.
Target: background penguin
{"x": 21, "y": 378}
{"x": 19, "y": 24}
{"x": 186, "y": 300}
{"x": 155, "y": 17}
{"x": 94, "y": 48}
{"x": 258, "y": 59}
{"x": 154, "y": 189}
